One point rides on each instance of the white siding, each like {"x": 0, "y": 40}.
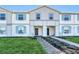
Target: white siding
{"x": 31, "y": 22}
{"x": 70, "y": 34}
{"x": 14, "y": 31}
{"x": 72, "y": 21}
{"x": 15, "y": 21}
{"x": 44, "y": 14}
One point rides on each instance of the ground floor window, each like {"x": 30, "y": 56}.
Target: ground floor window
{"x": 20, "y": 29}
{"x": 2, "y": 29}
{"x": 66, "y": 29}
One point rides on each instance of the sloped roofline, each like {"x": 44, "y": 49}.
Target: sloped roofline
{"x": 39, "y": 8}
{"x": 70, "y": 13}
{"x": 6, "y": 9}
{"x": 42, "y": 7}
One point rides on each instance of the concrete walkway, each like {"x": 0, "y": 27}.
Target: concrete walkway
{"x": 71, "y": 44}
{"x": 48, "y": 47}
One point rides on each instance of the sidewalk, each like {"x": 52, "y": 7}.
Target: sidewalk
{"x": 68, "y": 43}
{"x": 48, "y": 47}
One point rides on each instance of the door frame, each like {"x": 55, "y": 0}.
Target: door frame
{"x": 36, "y": 31}
{"x": 48, "y": 33}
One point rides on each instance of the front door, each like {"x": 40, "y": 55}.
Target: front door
{"x": 47, "y": 31}
{"x": 36, "y": 31}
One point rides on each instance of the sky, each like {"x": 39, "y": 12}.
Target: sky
{"x": 61, "y": 8}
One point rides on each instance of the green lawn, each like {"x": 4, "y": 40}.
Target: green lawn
{"x": 73, "y": 39}
{"x": 20, "y": 45}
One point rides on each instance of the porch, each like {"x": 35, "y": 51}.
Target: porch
{"x": 44, "y": 30}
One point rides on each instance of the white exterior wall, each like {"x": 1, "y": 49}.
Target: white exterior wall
{"x": 9, "y": 30}
{"x": 44, "y": 14}
{"x": 20, "y": 22}
{"x": 44, "y": 21}
{"x": 70, "y": 34}
{"x": 52, "y": 30}
{"x": 44, "y": 30}
{"x": 31, "y": 22}
{"x": 71, "y": 23}
{"x": 15, "y": 21}
{"x": 31, "y": 30}
{"x": 6, "y": 23}
{"x": 76, "y": 30}
{"x": 67, "y": 22}
{"x": 76, "y": 20}
{"x": 3, "y": 35}
{"x": 57, "y": 29}
{"x": 14, "y": 31}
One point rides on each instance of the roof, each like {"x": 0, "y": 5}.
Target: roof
{"x": 46, "y": 7}
{"x": 5, "y": 9}
{"x": 70, "y": 13}
{"x": 39, "y": 8}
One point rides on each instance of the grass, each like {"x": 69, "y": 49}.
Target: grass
{"x": 20, "y": 45}
{"x": 73, "y": 39}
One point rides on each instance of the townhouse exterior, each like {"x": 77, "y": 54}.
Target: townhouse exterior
{"x": 42, "y": 21}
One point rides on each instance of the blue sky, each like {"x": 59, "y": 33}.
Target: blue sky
{"x": 62, "y": 8}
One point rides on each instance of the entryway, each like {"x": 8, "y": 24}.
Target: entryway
{"x": 36, "y": 31}
{"x": 50, "y": 30}
{"x": 47, "y": 31}
{"x": 40, "y": 31}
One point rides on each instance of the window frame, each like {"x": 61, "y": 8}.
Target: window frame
{"x": 1, "y": 16}
{"x": 17, "y": 29}
{"x": 3, "y": 30}
{"x": 63, "y": 29}
{"x": 22, "y": 15}
{"x": 65, "y": 16}
{"x": 49, "y": 15}
{"x": 38, "y": 16}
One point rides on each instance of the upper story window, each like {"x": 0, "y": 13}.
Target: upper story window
{"x": 66, "y": 29}
{"x": 2, "y": 16}
{"x": 20, "y": 29}
{"x": 66, "y": 17}
{"x": 21, "y": 16}
{"x": 51, "y": 16}
{"x": 38, "y": 16}
{"x": 2, "y": 29}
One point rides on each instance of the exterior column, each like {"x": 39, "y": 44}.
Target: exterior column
{"x": 28, "y": 27}
{"x": 28, "y": 18}
{"x": 9, "y": 30}
{"x": 31, "y": 30}
{"x": 57, "y": 30}
{"x": 44, "y": 30}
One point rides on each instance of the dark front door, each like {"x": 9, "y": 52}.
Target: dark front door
{"x": 47, "y": 31}
{"x": 36, "y": 31}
